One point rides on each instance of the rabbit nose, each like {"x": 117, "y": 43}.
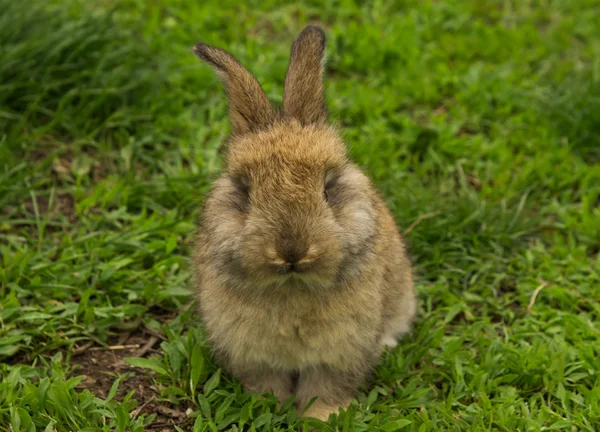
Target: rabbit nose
{"x": 292, "y": 251}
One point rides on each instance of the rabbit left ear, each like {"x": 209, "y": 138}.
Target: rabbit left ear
{"x": 304, "y": 92}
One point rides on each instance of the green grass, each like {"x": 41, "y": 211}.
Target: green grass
{"x": 478, "y": 120}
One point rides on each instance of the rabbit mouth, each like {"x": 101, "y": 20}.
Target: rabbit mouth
{"x": 294, "y": 269}
{"x": 271, "y": 278}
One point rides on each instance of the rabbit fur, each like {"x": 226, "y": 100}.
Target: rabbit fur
{"x": 301, "y": 273}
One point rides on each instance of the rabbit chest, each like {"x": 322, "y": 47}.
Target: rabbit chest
{"x": 293, "y": 333}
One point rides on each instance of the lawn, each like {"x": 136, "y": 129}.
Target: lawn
{"x": 478, "y": 120}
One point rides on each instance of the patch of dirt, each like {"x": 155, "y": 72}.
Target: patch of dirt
{"x": 63, "y": 204}
{"x": 90, "y": 164}
{"x": 61, "y": 167}
{"x": 102, "y": 365}
{"x": 507, "y": 286}
{"x": 39, "y": 148}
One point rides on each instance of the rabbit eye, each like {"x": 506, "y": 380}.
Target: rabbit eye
{"x": 242, "y": 186}
{"x": 241, "y": 197}
{"x": 329, "y": 189}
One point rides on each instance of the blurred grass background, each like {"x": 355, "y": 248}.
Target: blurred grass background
{"x": 479, "y": 121}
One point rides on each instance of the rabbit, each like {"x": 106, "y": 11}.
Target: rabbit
{"x": 302, "y": 275}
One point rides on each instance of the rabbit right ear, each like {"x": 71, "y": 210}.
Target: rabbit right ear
{"x": 249, "y": 108}
{"x": 304, "y": 92}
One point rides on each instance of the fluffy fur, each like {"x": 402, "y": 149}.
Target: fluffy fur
{"x": 302, "y": 277}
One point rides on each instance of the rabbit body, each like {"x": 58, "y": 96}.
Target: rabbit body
{"x": 301, "y": 273}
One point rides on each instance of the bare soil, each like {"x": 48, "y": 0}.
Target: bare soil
{"x": 102, "y": 365}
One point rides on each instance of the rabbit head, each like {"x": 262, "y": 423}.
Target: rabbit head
{"x": 290, "y": 209}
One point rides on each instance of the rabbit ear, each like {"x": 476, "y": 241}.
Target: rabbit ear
{"x": 249, "y": 108}
{"x": 303, "y": 92}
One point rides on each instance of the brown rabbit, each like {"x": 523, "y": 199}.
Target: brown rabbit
{"x": 302, "y": 275}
